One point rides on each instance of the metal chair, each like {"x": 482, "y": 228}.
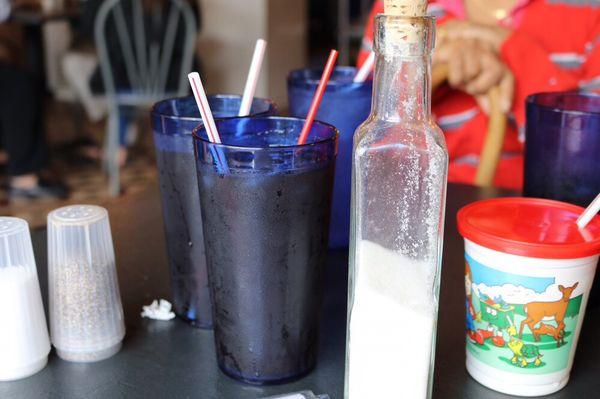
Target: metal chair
{"x": 147, "y": 61}
{"x": 350, "y": 30}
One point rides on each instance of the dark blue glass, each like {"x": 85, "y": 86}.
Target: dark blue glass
{"x": 265, "y": 213}
{"x": 172, "y": 122}
{"x": 345, "y": 105}
{"x": 562, "y": 147}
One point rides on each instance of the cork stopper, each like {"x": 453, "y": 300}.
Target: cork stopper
{"x": 404, "y": 30}
{"x": 405, "y": 8}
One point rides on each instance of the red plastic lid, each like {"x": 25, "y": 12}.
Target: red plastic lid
{"x": 531, "y": 227}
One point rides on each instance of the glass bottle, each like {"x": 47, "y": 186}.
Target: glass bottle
{"x": 400, "y": 171}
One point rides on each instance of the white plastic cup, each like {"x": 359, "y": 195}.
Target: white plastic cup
{"x": 24, "y": 342}
{"x": 529, "y": 272}
{"x": 86, "y": 314}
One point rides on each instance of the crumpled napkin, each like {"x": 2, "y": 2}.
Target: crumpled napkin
{"x": 158, "y": 310}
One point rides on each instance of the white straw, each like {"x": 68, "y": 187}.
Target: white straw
{"x": 205, "y": 112}
{"x": 366, "y": 69}
{"x": 587, "y": 215}
{"x": 253, "y": 75}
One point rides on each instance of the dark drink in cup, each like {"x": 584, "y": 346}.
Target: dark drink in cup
{"x": 173, "y": 121}
{"x": 266, "y": 221}
{"x": 183, "y": 231}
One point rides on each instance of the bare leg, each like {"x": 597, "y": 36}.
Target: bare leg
{"x": 26, "y": 181}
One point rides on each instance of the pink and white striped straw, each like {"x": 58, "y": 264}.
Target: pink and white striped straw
{"x": 366, "y": 69}
{"x": 205, "y": 112}
{"x": 253, "y": 76}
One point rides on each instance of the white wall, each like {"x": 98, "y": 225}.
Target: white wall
{"x": 229, "y": 31}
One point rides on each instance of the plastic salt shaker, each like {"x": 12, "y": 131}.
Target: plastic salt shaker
{"x": 24, "y": 342}
{"x": 86, "y": 315}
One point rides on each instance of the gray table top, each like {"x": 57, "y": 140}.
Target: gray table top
{"x": 174, "y": 360}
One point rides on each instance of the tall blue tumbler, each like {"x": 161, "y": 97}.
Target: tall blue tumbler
{"x": 345, "y": 105}
{"x": 265, "y": 211}
{"x": 172, "y": 122}
{"x": 562, "y": 150}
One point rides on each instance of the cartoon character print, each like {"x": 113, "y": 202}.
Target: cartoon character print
{"x": 477, "y": 336}
{"x": 537, "y": 311}
{"x": 523, "y": 354}
{"x": 516, "y": 322}
{"x": 470, "y": 310}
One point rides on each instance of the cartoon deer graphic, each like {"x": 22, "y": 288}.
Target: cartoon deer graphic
{"x": 536, "y": 311}
{"x": 547, "y": 329}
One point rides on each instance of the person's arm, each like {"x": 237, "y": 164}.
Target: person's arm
{"x": 531, "y": 63}
{"x": 535, "y": 71}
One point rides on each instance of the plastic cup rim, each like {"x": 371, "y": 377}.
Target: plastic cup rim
{"x": 531, "y": 100}
{"x": 155, "y": 112}
{"x": 334, "y": 137}
{"x": 331, "y": 84}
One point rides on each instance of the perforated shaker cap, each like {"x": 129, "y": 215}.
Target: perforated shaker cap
{"x": 11, "y": 226}
{"x": 15, "y": 243}
{"x": 79, "y": 215}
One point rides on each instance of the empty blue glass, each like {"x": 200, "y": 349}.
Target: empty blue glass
{"x": 562, "y": 147}
{"x": 172, "y": 122}
{"x": 265, "y": 212}
{"x": 345, "y": 105}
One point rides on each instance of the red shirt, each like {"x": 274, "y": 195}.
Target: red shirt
{"x": 555, "y": 46}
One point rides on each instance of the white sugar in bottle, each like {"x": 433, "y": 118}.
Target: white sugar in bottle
{"x": 400, "y": 165}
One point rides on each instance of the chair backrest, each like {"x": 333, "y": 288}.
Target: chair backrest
{"x": 146, "y": 59}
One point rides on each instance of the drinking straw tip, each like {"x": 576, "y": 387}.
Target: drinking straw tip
{"x": 253, "y": 76}
{"x": 316, "y": 103}
{"x": 366, "y": 69}
{"x": 589, "y": 213}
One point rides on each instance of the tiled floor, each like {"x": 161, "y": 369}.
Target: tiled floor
{"x": 88, "y": 183}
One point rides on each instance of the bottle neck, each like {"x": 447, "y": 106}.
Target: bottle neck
{"x": 402, "y": 88}
{"x": 402, "y": 83}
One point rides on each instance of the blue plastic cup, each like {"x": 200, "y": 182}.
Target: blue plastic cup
{"x": 345, "y": 105}
{"x": 265, "y": 212}
{"x": 562, "y": 147}
{"x": 173, "y": 121}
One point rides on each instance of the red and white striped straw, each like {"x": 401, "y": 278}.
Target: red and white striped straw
{"x": 316, "y": 103}
{"x": 366, "y": 69}
{"x": 205, "y": 112}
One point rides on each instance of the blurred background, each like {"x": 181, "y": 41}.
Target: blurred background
{"x": 60, "y": 61}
